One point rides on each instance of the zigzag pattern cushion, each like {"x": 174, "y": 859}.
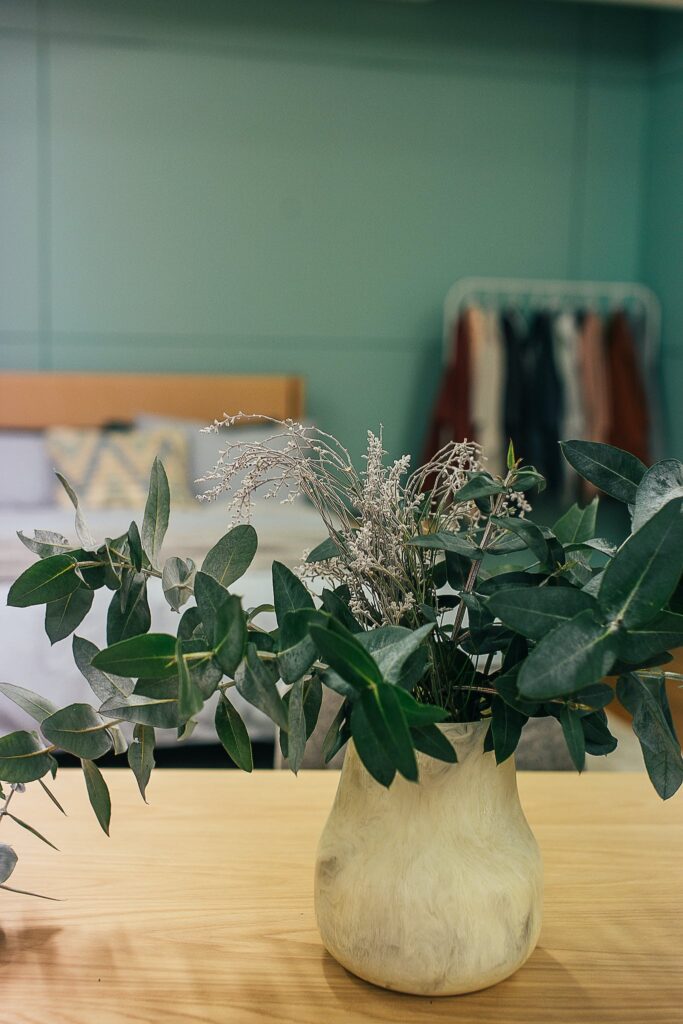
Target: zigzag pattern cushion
{"x": 110, "y": 468}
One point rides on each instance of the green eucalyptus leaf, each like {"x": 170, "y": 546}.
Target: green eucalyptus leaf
{"x": 8, "y": 861}
{"x": 232, "y": 555}
{"x": 45, "y": 543}
{"x": 190, "y": 621}
{"x": 577, "y": 525}
{"x": 335, "y": 605}
{"x": 82, "y": 530}
{"x": 346, "y": 656}
{"x": 297, "y": 650}
{"x": 141, "y": 756}
{"x": 133, "y": 617}
{"x": 31, "y": 829}
{"x": 66, "y": 614}
{"x": 258, "y": 687}
{"x": 79, "y": 730}
{"x": 371, "y": 747}
{"x": 430, "y": 740}
{"x": 135, "y": 546}
{"x": 392, "y": 658}
{"x": 572, "y": 656}
{"x": 190, "y": 700}
{"x": 289, "y": 593}
{"x": 337, "y": 735}
{"x": 149, "y": 656}
{"x": 615, "y": 472}
{"x": 35, "y": 705}
{"x": 143, "y": 709}
{"x": 479, "y": 485}
{"x": 534, "y": 611}
{"x": 98, "y": 793}
{"x": 233, "y": 734}
{"x": 595, "y": 697}
{"x": 48, "y": 580}
{"x": 644, "y": 573}
{"x": 103, "y": 684}
{"x": 230, "y": 635}
{"x": 417, "y": 714}
{"x": 660, "y": 634}
{"x": 506, "y": 728}
{"x": 329, "y": 548}
{"x": 177, "y": 581}
{"x": 155, "y": 519}
{"x": 296, "y": 731}
{"x": 386, "y": 719}
{"x": 574, "y": 737}
{"x": 210, "y": 596}
{"x": 23, "y": 758}
{"x": 599, "y": 740}
{"x": 528, "y": 532}
{"x": 51, "y": 796}
{"x": 659, "y": 485}
{"x": 506, "y": 685}
{"x": 447, "y": 541}
{"x": 646, "y": 701}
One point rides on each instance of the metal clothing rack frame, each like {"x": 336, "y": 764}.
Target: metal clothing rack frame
{"x": 565, "y": 295}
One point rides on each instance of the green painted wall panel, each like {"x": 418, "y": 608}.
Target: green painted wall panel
{"x": 293, "y": 187}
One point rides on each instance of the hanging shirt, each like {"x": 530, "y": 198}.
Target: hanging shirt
{"x": 629, "y": 420}
{"x": 451, "y": 418}
{"x": 487, "y": 389}
{"x": 595, "y": 385}
{"x": 566, "y": 338}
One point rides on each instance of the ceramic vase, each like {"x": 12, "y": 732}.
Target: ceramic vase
{"x": 434, "y": 887}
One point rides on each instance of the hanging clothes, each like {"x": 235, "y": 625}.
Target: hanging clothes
{"x": 533, "y": 392}
{"x": 566, "y": 339}
{"x": 629, "y": 420}
{"x": 488, "y": 372}
{"x": 452, "y": 417}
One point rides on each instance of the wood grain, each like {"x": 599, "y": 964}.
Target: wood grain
{"x": 33, "y": 401}
{"x": 199, "y": 909}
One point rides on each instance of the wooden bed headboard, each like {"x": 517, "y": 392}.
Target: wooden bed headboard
{"x": 33, "y": 401}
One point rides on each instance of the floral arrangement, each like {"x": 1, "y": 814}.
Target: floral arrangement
{"x": 433, "y": 598}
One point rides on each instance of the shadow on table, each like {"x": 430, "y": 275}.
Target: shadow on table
{"x": 21, "y": 943}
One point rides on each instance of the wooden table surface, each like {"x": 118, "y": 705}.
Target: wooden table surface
{"x": 199, "y": 908}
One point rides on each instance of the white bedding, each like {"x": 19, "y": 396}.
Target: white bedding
{"x": 28, "y": 659}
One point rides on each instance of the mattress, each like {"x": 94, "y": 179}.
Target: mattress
{"x": 29, "y": 660}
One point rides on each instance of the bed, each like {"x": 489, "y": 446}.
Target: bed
{"x": 35, "y": 402}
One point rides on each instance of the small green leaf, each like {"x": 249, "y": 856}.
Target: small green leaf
{"x": 133, "y": 617}
{"x": 346, "y": 656}
{"x": 392, "y": 658}
{"x": 479, "y": 485}
{"x": 82, "y": 530}
{"x": 31, "y": 829}
{"x": 258, "y": 687}
{"x": 45, "y": 543}
{"x": 573, "y": 655}
{"x": 190, "y": 700}
{"x": 159, "y": 712}
{"x": 417, "y": 714}
{"x": 233, "y": 735}
{"x": 177, "y": 581}
{"x": 663, "y": 633}
{"x": 370, "y": 746}
{"x": 431, "y": 741}
{"x": 52, "y": 797}
{"x": 447, "y": 541}
{"x": 528, "y": 532}
{"x": 506, "y": 728}
{"x": 297, "y": 649}
{"x": 511, "y": 460}
{"x": 230, "y": 635}
{"x": 296, "y": 726}
{"x": 289, "y": 593}
{"x": 98, "y": 793}
{"x": 48, "y": 580}
{"x": 659, "y": 485}
{"x": 615, "y": 472}
{"x": 337, "y": 734}
{"x": 150, "y": 656}
{"x": 135, "y": 546}
{"x": 79, "y": 730}
{"x": 645, "y": 571}
{"x": 33, "y": 704}
{"x": 141, "y": 756}
{"x": 232, "y": 555}
{"x": 647, "y": 703}
{"x": 329, "y": 548}
{"x": 155, "y": 519}
{"x": 66, "y": 614}
{"x": 534, "y": 611}
{"x": 573, "y": 734}
{"x": 385, "y": 717}
{"x": 599, "y": 740}
{"x": 8, "y": 861}
{"x": 577, "y": 525}
{"x": 23, "y": 758}
{"x": 103, "y": 684}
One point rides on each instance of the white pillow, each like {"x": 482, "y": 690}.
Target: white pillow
{"x": 25, "y": 472}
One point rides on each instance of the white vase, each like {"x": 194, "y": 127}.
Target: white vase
{"x": 435, "y": 887}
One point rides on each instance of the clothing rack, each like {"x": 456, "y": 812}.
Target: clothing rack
{"x": 565, "y": 295}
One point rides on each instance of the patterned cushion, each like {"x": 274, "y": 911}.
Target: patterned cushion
{"x": 110, "y": 468}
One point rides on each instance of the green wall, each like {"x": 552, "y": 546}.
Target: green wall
{"x": 273, "y": 186}
{"x": 663, "y": 253}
